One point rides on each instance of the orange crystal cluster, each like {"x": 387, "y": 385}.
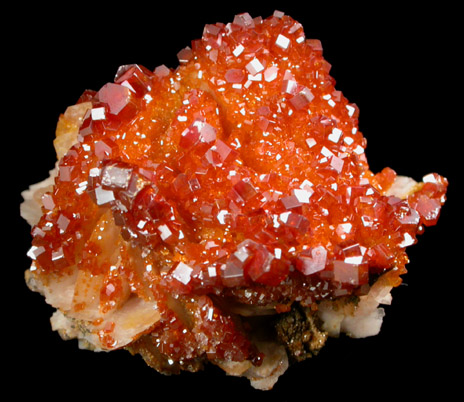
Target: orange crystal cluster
{"x": 238, "y": 177}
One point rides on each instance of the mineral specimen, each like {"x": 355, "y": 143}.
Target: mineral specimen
{"x": 223, "y": 211}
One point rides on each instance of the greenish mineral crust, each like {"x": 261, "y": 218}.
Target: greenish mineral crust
{"x": 299, "y": 330}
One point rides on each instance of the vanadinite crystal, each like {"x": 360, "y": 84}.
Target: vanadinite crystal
{"x": 191, "y": 208}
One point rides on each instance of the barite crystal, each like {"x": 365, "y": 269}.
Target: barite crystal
{"x": 191, "y": 206}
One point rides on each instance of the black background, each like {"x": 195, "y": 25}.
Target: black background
{"x": 400, "y": 66}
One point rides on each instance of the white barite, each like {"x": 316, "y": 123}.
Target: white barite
{"x": 362, "y": 320}
{"x": 66, "y": 291}
{"x": 365, "y": 319}
{"x": 402, "y": 187}
{"x": 356, "y": 320}
{"x": 262, "y": 377}
{"x": 31, "y": 207}
{"x": 429, "y": 178}
{"x": 125, "y": 327}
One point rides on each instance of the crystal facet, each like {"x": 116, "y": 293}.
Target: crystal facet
{"x": 187, "y": 202}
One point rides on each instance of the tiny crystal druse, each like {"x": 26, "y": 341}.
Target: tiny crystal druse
{"x": 222, "y": 211}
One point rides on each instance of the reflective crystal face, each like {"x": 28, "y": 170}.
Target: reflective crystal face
{"x": 240, "y": 174}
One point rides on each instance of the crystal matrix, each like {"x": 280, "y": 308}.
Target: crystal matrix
{"x": 191, "y": 208}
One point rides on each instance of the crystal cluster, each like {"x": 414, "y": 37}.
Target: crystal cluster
{"x": 186, "y": 202}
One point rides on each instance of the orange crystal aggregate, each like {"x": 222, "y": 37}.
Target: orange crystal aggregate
{"x": 238, "y": 177}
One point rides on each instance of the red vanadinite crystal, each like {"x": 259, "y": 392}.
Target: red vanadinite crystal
{"x": 241, "y": 173}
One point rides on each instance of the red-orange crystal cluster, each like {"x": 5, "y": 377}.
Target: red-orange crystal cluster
{"x": 238, "y": 177}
